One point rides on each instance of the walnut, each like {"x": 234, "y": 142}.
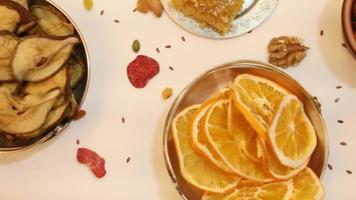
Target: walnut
{"x": 286, "y": 51}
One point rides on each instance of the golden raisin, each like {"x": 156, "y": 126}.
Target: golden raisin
{"x": 167, "y": 93}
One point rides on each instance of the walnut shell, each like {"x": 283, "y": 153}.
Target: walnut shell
{"x": 286, "y": 51}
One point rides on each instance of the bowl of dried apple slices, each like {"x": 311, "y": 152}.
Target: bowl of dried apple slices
{"x": 246, "y": 130}
{"x": 44, "y": 70}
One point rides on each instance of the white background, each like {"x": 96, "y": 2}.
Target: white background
{"x": 50, "y": 171}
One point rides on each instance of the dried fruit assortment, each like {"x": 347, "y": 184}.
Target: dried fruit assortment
{"x": 39, "y": 68}
{"x": 252, "y": 140}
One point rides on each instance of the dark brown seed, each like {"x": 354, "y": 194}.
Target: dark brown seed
{"x": 168, "y": 46}
{"x": 183, "y": 38}
{"x": 343, "y": 143}
{"x": 330, "y": 167}
{"x": 79, "y": 115}
{"x": 348, "y": 171}
{"x": 250, "y": 31}
{"x": 321, "y": 32}
{"x": 102, "y": 12}
{"x": 134, "y": 10}
{"x": 158, "y": 51}
{"x": 128, "y": 159}
{"x": 123, "y": 119}
{"x": 116, "y": 21}
{"x": 344, "y": 45}
{"x": 337, "y": 100}
{"x": 171, "y": 68}
{"x": 340, "y": 121}
{"x": 338, "y": 87}
{"x": 77, "y": 142}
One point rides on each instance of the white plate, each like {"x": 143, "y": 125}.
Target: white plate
{"x": 253, "y": 13}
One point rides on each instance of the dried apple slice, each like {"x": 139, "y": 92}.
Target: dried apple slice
{"x": 38, "y": 58}
{"x": 8, "y": 43}
{"x": 26, "y": 27}
{"x": 21, "y": 115}
{"x": 13, "y": 14}
{"x": 23, "y": 3}
{"x": 54, "y": 117}
{"x": 11, "y": 87}
{"x": 76, "y": 71}
{"x": 52, "y": 22}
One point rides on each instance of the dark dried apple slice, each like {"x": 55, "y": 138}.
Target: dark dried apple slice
{"x": 13, "y": 14}
{"x": 21, "y": 115}
{"x": 38, "y": 58}
{"x": 52, "y": 22}
{"x": 60, "y": 80}
{"x": 8, "y": 43}
{"x": 54, "y": 117}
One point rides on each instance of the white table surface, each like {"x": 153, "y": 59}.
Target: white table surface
{"x": 50, "y": 171}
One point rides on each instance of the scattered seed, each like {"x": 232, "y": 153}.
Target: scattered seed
{"x": 250, "y": 31}
{"x": 321, "y": 32}
{"x": 128, "y": 159}
{"x": 116, "y": 21}
{"x": 340, "y": 121}
{"x": 343, "y": 143}
{"x": 158, "y": 51}
{"x": 338, "y": 87}
{"x": 183, "y": 38}
{"x": 88, "y": 4}
{"x": 344, "y": 45}
{"x": 102, "y": 12}
{"x": 348, "y": 171}
{"x": 167, "y": 93}
{"x": 337, "y": 100}
{"x": 171, "y": 68}
{"x": 123, "y": 119}
{"x": 79, "y": 115}
{"x": 330, "y": 167}
{"x": 77, "y": 142}
{"x": 136, "y": 46}
{"x": 168, "y": 46}
{"x": 134, "y": 10}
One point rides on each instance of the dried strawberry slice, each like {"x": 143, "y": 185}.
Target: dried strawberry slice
{"x": 141, "y": 70}
{"x": 93, "y": 160}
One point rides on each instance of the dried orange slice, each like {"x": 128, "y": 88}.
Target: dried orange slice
{"x": 258, "y": 99}
{"x": 231, "y": 147}
{"x": 199, "y": 140}
{"x": 291, "y": 134}
{"x": 307, "y": 186}
{"x": 196, "y": 169}
{"x": 269, "y": 191}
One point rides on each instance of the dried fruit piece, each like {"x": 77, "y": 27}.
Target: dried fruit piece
{"x": 136, "y": 46}
{"x": 286, "y": 51}
{"x": 167, "y": 93}
{"x": 38, "y": 58}
{"x": 23, "y": 3}
{"x": 52, "y": 22}
{"x": 8, "y": 43}
{"x": 92, "y": 160}
{"x": 88, "y": 4}
{"x": 155, "y": 6}
{"x": 141, "y": 70}
{"x": 142, "y": 6}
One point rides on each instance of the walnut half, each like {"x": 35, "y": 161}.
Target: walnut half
{"x": 286, "y": 51}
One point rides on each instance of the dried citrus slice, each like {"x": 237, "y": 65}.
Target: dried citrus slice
{"x": 196, "y": 169}
{"x": 230, "y": 146}
{"x": 291, "y": 134}
{"x": 199, "y": 140}
{"x": 257, "y": 98}
{"x": 307, "y": 186}
{"x": 269, "y": 191}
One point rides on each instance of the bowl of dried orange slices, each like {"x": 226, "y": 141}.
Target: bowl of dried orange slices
{"x": 246, "y": 130}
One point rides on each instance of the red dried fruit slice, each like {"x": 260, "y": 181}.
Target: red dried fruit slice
{"x": 92, "y": 160}
{"x": 141, "y": 70}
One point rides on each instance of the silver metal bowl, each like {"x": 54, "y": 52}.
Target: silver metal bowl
{"x": 80, "y": 92}
{"x": 220, "y": 77}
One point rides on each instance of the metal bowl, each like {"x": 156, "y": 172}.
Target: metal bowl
{"x": 220, "y": 77}
{"x": 347, "y": 25}
{"x": 7, "y": 146}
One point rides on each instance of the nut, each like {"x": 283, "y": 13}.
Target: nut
{"x": 286, "y": 51}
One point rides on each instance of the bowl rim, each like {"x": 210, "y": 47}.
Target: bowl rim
{"x": 234, "y": 64}
{"x": 59, "y": 128}
{"x": 347, "y": 25}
